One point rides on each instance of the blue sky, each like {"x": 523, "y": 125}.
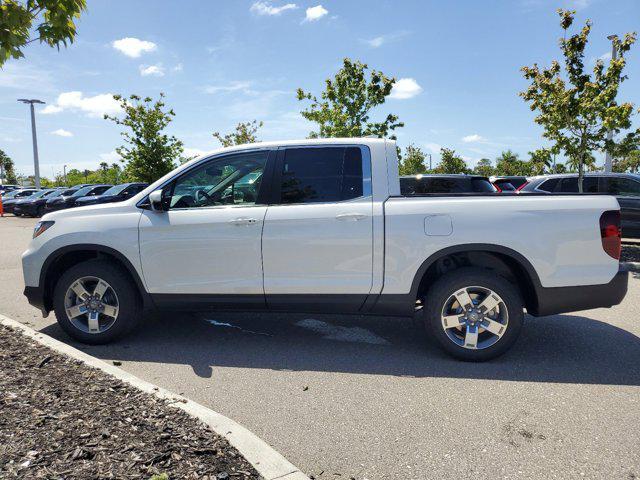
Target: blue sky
{"x": 221, "y": 62}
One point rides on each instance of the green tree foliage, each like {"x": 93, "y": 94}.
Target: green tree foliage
{"x": 540, "y": 161}
{"x": 484, "y": 167}
{"x": 630, "y": 163}
{"x": 345, "y": 106}
{"x": 509, "y": 163}
{"x": 7, "y": 168}
{"x": 412, "y": 162}
{"x": 149, "y": 153}
{"x": 245, "y": 132}
{"x": 576, "y": 113}
{"x": 450, "y": 163}
{"x": 51, "y": 22}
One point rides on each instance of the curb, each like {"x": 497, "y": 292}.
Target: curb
{"x": 268, "y": 463}
{"x": 631, "y": 266}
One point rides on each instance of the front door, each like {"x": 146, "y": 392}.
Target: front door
{"x": 318, "y": 234}
{"x": 207, "y": 247}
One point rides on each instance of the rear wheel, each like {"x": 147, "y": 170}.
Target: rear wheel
{"x": 474, "y": 314}
{"x": 95, "y": 302}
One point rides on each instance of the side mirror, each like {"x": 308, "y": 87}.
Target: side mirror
{"x": 155, "y": 199}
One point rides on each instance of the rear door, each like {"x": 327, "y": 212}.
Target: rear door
{"x": 317, "y": 242}
{"x": 627, "y": 191}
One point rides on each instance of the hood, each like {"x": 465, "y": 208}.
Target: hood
{"x": 92, "y": 210}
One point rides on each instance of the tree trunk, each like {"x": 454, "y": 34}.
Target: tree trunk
{"x": 581, "y": 173}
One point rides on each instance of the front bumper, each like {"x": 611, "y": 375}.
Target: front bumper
{"x": 571, "y": 299}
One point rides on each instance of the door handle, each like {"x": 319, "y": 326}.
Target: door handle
{"x": 243, "y": 221}
{"x": 354, "y": 217}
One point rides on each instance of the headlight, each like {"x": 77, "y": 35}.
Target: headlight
{"x": 41, "y": 227}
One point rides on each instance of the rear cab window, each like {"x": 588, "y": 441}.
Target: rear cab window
{"x": 322, "y": 175}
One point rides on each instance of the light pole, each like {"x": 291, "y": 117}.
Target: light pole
{"x": 64, "y": 174}
{"x": 36, "y": 164}
{"x": 608, "y": 162}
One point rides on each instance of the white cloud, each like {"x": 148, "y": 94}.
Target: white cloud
{"x": 231, "y": 87}
{"x": 433, "y": 147}
{"x": 152, "y": 70}
{"x": 315, "y": 13}
{"x": 605, "y": 57}
{"x": 111, "y": 157}
{"x": 61, "y": 132}
{"x": 380, "y": 40}
{"x": 95, "y": 106}
{"x": 190, "y": 152}
{"x": 266, "y": 8}
{"x": 405, "y": 88}
{"x": 475, "y": 138}
{"x": 133, "y": 47}
{"x": 177, "y": 68}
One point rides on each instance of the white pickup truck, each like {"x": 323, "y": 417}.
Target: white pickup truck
{"x": 321, "y": 226}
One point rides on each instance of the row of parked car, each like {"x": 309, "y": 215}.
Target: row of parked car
{"x": 32, "y": 202}
{"x": 624, "y": 186}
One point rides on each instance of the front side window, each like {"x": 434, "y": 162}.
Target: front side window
{"x": 621, "y": 186}
{"x": 230, "y": 180}
{"x": 325, "y": 174}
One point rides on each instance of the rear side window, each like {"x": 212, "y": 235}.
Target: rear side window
{"x": 570, "y": 185}
{"x": 549, "y": 185}
{"x": 316, "y": 175}
{"x": 482, "y": 185}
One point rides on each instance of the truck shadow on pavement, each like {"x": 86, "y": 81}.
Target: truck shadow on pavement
{"x": 561, "y": 348}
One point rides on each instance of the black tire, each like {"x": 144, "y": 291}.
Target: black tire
{"x": 40, "y": 211}
{"x": 130, "y": 309}
{"x": 442, "y": 290}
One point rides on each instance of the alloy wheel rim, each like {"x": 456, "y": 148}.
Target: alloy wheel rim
{"x": 91, "y": 305}
{"x": 474, "y": 317}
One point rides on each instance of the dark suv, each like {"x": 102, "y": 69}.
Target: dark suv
{"x": 443, "y": 184}
{"x": 624, "y": 186}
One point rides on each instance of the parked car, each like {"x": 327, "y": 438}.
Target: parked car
{"x": 68, "y": 201}
{"x": 6, "y": 188}
{"x": 9, "y": 200}
{"x": 504, "y": 183}
{"x": 442, "y": 184}
{"x": 117, "y": 193}
{"x": 624, "y": 186}
{"x": 34, "y": 206}
{"x": 41, "y": 195}
{"x": 325, "y": 228}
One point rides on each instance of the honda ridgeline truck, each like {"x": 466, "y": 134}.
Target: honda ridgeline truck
{"x": 321, "y": 226}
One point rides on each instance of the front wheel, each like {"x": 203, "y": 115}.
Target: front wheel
{"x": 474, "y": 314}
{"x": 95, "y": 302}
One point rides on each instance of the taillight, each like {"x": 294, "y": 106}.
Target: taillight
{"x": 611, "y": 233}
{"x": 497, "y": 188}
{"x": 522, "y": 186}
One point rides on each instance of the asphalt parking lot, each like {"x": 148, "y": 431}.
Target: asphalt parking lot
{"x": 371, "y": 397}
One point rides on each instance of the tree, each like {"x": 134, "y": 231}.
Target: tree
{"x": 577, "y": 113}
{"x": 150, "y": 153}
{"x": 508, "y": 163}
{"x": 450, "y": 162}
{"x": 245, "y": 133}
{"x": 484, "y": 168}
{"x": 7, "y": 169}
{"x": 346, "y": 104}
{"x": 540, "y": 161}
{"x": 412, "y": 162}
{"x": 630, "y": 163}
{"x": 56, "y": 24}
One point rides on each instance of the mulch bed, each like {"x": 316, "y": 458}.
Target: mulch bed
{"x": 630, "y": 252}
{"x": 60, "y": 419}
